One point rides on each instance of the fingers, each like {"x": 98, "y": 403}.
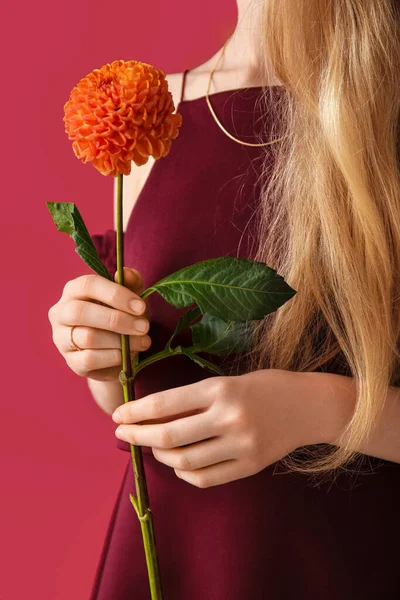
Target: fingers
{"x": 166, "y": 403}
{"x": 85, "y": 362}
{"x": 97, "y": 339}
{"x": 172, "y": 434}
{"x": 132, "y": 280}
{"x": 87, "y": 314}
{"x": 108, "y": 374}
{"x": 218, "y": 474}
{"x": 197, "y": 456}
{"x": 95, "y": 287}
{"x": 100, "y": 311}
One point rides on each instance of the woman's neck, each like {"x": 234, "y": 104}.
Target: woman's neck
{"x": 244, "y": 45}
{"x": 242, "y": 64}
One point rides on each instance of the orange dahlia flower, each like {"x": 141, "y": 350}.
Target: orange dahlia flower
{"x": 121, "y": 113}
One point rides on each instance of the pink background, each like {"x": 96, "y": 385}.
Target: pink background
{"x": 60, "y": 468}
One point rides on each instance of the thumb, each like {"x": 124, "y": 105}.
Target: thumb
{"x": 132, "y": 279}
{"x": 134, "y": 282}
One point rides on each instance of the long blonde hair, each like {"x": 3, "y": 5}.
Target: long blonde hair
{"x": 330, "y": 206}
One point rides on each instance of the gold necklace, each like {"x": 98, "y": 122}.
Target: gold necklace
{"x": 215, "y": 116}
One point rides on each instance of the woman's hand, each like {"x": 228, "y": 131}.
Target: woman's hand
{"x": 236, "y": 426}
{"x": 101, "y": 311}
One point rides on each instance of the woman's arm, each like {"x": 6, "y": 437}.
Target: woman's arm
{"x": 224, "y": 428}
{"x": 336, "y": 403}
{"x": 108, "y": 395}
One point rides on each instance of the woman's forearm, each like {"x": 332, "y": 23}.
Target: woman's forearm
{"x": 108, "y": 395}
{"x": 338, "y": 400}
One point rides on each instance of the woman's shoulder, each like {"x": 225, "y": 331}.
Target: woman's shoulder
{"x": 194, "y": 83}
{"x": 196, "y": 79}
{"x": 175, "y": 81}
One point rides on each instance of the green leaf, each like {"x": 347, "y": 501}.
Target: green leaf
{"x": 183, "y": 322}
{"x": 202, "y": 362}
{"x": 215, "y": 336}
{"x": 229, "y": 288}
{"x": 67, "y": 218}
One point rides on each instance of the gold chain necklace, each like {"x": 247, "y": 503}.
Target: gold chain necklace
{"x": 215, "y": 116}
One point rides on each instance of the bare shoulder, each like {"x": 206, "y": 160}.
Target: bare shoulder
{"x": 175, "y": 86}
{"x": 134, "y": 182}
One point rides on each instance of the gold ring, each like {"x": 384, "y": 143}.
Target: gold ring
{"x": 72, "y": 343}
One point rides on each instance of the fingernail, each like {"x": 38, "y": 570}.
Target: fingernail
{"x": 116, "y": 416}
{"x": 141, "y": 325}
{"x": 137, "y": 306}
{"x": 145, "y": 342}
{"x": 119, "y": 432}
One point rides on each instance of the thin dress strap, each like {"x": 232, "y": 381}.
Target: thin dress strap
{"x": 183, "y": 83}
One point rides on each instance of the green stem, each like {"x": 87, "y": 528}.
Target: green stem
{"x": 146, "y": 293}
{"x": 189, "y": 352}
{"x": 141, "y": 502}
{"x": 156, "y": 357}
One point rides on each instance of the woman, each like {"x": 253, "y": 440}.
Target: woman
{"x": 295, "y": 163}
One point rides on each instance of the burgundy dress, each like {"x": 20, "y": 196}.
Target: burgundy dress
{"x": 268, "y": 536}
